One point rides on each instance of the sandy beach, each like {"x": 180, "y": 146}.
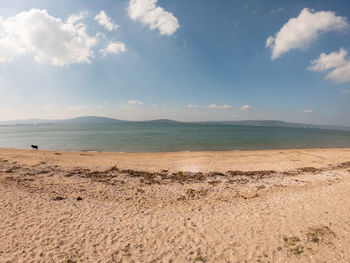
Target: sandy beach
{"x": 234, "y": 206}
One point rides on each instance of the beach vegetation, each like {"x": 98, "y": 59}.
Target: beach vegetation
{"x": 293, "y": 245}
{"x": 319, "y": 234}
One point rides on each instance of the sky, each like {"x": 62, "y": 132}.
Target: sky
{"x": 187, "y": 60}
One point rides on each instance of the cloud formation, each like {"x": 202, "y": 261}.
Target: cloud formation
{"x": 49, "y": 39}
{"x": 191, "y": 106}
{"x": 106, "y": 21}
{"x": 114, "y": 48}
{"x": 336, "y": 63}
{"x": 153, "y": 16}
{"x": 301, "y": 31}
{"x": 307, "y": 111}
{"x": 223, "y": 107}
{"x": 245, "y": 107}
{"x": 72, "y": 19}
{"x": 133, "y": 102}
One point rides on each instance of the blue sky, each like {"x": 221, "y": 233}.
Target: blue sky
{"x": 184, "y": 60}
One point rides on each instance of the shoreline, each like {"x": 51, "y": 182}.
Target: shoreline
{"x": 176, "y": 151}
{"x": 196, "y": 161}
{"x": 185, "y": 151}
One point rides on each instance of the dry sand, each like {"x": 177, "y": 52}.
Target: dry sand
{"x": 249, "y": 206}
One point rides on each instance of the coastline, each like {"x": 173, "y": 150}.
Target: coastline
{"x": 196, "y": 161}
{"x": 237, "y": 206}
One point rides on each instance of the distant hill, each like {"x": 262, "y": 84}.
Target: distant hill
{"x": 25, "y": 122}
{"x": 163, "y": 121}
{"x": 89, "y": 120}
{"x": 105, "y": 120}
{"x": 273, "y": 123}
{"x": 78, "y": 120}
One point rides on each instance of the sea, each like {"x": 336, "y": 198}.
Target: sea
{"x": 167, "y": 137}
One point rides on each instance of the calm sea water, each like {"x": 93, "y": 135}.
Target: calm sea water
{"x": 163, "y": 137}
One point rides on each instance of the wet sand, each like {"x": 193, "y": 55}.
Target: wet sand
{"x": 249, "y": 206}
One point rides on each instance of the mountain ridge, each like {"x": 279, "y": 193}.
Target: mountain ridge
{"x": 106, "y": 120}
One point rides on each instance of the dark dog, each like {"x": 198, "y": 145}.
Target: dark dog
{"x": 35, "y": 147}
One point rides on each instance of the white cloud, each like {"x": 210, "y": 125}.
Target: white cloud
{"x": 223, "y": 107}
{"x": 269, "y": 41}
{"x": 72, "y": 19}
{"x": 191, "y": 106}
{"x": 336, "y": 62}
{"x": 28, "y": 105}
{"x": 154, "y": 16}
{"x": 105, "y": 21}
{"x": 114, "y": 48}
{"x": 340, "y": 74}
{"x": 326, "y": 62}
{"x": 301, "y": 31}
{"x": 245, "y": 107}
{"x": 50, "y": 39}
{"x": 307, "y": 111}
{"x": 133, "y": 102}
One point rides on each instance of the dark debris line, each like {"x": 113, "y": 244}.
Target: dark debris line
{"x": 162, "y": 177}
